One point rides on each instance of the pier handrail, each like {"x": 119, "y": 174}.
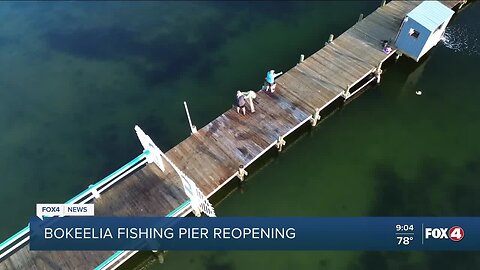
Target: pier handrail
{"x": 21, "y": 236}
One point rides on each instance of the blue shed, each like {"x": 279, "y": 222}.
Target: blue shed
{"x": 422, "y": 28}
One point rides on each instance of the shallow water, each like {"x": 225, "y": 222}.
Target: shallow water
{"x": 76, "y": 77}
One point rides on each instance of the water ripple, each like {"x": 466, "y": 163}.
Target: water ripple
{"x": 461, "y": 39}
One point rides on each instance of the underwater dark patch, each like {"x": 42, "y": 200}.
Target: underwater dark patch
{"x": 95, "y": 43}
{"x": 371, "y": 260}
{"x": 452, "y": 260}
{"x": 169, "y": 55}
{"x": 269, "y": 10}
{"x": 205, "y": 69}
{"x": 388, "y": 189}
{"x": 218, "y": 262}
{"x": 430, "y": 193}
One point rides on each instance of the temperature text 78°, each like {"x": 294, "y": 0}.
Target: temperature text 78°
{"x": 404, "y": 240}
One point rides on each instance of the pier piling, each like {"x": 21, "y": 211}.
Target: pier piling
{"x": 280, "y": 143}
{"x": 242, "y": 173}
{"x": 360, "y": 17}
{"x": 302, "y": 57}
{"x": 315, "y": 117}
{"x": 330, "y": 39}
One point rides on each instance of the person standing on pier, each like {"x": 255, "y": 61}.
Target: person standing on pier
{"x": 240, "y": 102}
{"x": 250, "y": 96}
{"x": 270, "y": 79}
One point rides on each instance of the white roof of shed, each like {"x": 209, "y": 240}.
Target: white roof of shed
{"x": 431, "y": 14}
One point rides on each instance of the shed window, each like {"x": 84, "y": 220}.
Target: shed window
{"x": 413, "y": 33}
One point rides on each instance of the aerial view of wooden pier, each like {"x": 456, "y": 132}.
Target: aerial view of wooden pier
{"x": 153, "y": 183}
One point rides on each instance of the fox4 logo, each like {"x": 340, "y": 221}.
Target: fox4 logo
{"x": 455, "y": 233}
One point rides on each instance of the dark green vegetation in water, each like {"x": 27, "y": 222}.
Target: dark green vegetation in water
{"x": 76, "y": 77}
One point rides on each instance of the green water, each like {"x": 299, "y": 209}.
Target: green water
{"x": 76, "y": 77}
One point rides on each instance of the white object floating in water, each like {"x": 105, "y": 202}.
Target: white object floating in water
{"x": 419, "y": 93}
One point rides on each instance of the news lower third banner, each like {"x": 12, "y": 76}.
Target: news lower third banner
{"x": 251, "y": 233}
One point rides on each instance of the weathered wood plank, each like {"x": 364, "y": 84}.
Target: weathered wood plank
{"x": 357, "y": 66}
{"x": 324, "y": 75}
{"x": 342, "y": 66}
{"x": 359, "y": 45}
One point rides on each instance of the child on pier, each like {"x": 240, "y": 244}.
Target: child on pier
{"x": 240, "y": 102}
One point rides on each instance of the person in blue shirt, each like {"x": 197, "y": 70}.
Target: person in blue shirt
{"x": 270, "y": 79}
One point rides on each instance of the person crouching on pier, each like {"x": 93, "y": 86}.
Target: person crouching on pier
{"x": 270, "y": 80}
{"x": 240, "y": 102}
{"x": 250, "y": 96}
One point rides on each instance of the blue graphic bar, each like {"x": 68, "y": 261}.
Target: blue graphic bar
{"x": 249, "y": 233}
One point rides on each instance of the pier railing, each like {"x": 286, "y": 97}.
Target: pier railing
{"x": 93, "y": 191}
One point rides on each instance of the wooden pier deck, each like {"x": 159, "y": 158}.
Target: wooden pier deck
{"x": 211, "y": 157}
